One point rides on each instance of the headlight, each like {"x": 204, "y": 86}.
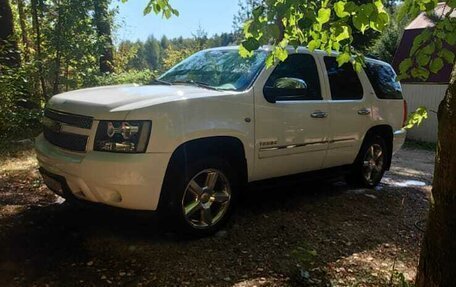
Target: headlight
{"x": 122, "y": 136}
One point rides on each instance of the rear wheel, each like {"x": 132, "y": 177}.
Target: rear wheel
{"x": 370, "y": 164}
{"x": 199, "y": 199}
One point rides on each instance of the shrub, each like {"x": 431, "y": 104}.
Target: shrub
{"x": 131, "y": 77}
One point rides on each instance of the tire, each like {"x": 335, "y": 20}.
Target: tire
{"x": 198, "y": 197}
{"x": 370, "y": 164}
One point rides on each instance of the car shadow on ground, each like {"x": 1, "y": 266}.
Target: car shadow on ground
{"x": 283, "y": 231}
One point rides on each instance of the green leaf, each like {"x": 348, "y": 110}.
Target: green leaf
{"x": 416, "y": 118}
{"x": 358, "y": 66}
{"x": 246, "y": 28}
{"x": 447, "y": 55}
{"x": 343, "y": 58}
{"x": 258, "y": 11}
{"x": 451, "y": 38}
{"x": 436, "y": 65}
{"x": 423, "y": 59}
{"x": 428, "y": 49}
{"x": 361, "y": 22}
{"x": 269, "y": 61}
{"x": 167, "y": 14}
{"x": 350, "y": 7}
{"x": 273, "y": 31}
{"x": 339, "y": 8}
{"x": 420, "y": 73}
{"x": 379, "y": 4}
{"x": 280, "y": 54}
{"x": 244, "y": 52}
{"x": 380, "y": 21}
{"x": 342, "y": 33}
{"x": 419, "y": 40}
{"x": 323, "y": 15}
{"x": 251, "y": 44}
{"x": 148, "y": 9}
{"x": 314, "y": 44}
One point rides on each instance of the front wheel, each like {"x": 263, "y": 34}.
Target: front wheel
{"x": 199, "y": 199}
{"x": 370, "y": 165}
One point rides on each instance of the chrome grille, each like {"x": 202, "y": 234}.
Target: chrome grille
{"x": 70, "y": 119}
{"x": 55, "y": 121}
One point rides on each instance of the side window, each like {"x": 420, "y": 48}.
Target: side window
{"x": 383, "y": 80}
{"x": 343, "y": 81}
{"x": 296, "y": 77}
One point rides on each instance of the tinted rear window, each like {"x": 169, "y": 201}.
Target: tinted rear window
{"x": 343, "y": 81}
{"x": 383, "y": 80}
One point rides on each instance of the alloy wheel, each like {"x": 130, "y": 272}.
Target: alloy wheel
{"x": 373, "y": 163}
{"x": 206, "y": 198}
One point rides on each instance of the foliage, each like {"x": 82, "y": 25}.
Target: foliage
{"x": 430, "y": 50}
{"x": 417, "y": 117}
{"x": 152, "y": 50}
{"x": 129, "y": 56}
{"x": 385, "y": 46}
{"x": 18, "y": 113}
{"x": 174, "y": 55}
{"x": 160, "y": 55}
{"x": 318, "y": 25}
{"x": 132, "y": 77}
{"x": 244, "y": 13}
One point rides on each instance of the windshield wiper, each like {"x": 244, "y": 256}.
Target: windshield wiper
{"x": 159, "y": 82}
{"x": 196, "y": 83}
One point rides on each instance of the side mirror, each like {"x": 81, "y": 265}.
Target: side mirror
{"x": 286, "y": 89}
{"x": 290, "y": 83}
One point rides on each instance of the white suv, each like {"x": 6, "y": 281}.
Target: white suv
{"x": 186, "y": 143}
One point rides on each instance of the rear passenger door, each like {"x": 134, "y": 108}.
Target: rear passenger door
{"x": 350, "y": 111}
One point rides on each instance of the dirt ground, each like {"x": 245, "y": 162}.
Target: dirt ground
{"x": 285, "y": 233}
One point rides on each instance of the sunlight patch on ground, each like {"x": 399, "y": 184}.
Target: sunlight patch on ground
{"x": 403, "y": 183}
{"x": 9, "y": 210}
{"x": 260, "y": 281}
{"x": 382, "y": 263}
{"x": 410, "y": 172}
{"x": 25, "y": 161}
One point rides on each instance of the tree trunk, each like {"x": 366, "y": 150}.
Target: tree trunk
{"x": 101, "y": 19}
{"x": 58, "y": 48}
{"x": 36, "y": 28}
{"x": 438, "y": 252}
{"x": 9, "y": 52}
{"x": 25, "y": 41}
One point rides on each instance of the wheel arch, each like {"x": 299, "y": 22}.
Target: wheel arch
{"x": 386, "y": 132}
{"x": 229, "y": 148}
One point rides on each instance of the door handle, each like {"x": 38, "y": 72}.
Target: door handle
{"x": 319, "y": 115}
{"x": 364, "y": 112}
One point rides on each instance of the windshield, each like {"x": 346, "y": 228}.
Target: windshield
{"x": 218, "y": 69}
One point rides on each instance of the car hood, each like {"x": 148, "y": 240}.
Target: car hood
{"x": 108, "y": 102}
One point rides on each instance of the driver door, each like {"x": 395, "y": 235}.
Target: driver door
{"x": 291, "y": 128}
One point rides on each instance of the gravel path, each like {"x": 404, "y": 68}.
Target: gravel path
{"x": 286, "y": 233}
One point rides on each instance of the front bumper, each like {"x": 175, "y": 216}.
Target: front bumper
{"x": 131, "y": 181}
